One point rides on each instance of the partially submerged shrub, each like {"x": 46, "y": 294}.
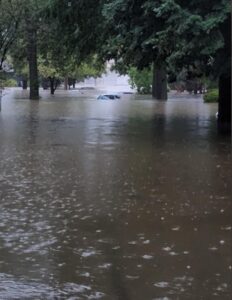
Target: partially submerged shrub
{"x": 211, "y": 96}
{"x": 141, "y": 80}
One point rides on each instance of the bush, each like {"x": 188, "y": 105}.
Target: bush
{"x": 211, "y": 96}
{"x": 141, "y": 80}
{"x": 10, "y": 83}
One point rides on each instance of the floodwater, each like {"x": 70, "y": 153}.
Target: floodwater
{"x": 127, "y": 199}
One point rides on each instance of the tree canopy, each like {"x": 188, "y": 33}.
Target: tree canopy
{"x": 192, "y": 34}
{"x": 9, "y": 22}
{"x": 177, "y": 32}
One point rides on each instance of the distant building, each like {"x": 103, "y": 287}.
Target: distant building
{"x": 111, "y": 80}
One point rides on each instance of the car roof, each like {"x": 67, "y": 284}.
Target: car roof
{"x": 109, "y": 96}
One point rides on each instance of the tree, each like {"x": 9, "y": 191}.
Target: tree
{"x": 19, "y": 20}
{"x": 53, "y": 69}
{"x": 202, "y": 39}
{"x": 48, "y": 71}
{"x": 81, "y": 24}
{"x": 23, "y": 20}
{"x": 131, "y": 29}
{"x": 9, "y": 21}
{"x": 60, "y": 59}
{"x": 174, "y": 34}
{"x": 32, "y": 16}
{"x": 224, "y": 111}
{"x": 18, "y": 54}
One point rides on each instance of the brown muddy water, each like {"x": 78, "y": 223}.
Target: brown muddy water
{"x": 127, "y": 199}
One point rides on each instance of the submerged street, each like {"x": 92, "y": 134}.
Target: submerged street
{"x": 127, "y": 199}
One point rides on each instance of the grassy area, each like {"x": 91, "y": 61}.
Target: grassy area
{"x": 211, "y": 96}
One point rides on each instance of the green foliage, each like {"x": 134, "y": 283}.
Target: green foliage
{"x": 47, "y": 69}
{"x": 10, "y": 83}
{"x": 141, "y": 80}
{"x": 18, "y": 54}
{"x": 195, "y": 32}
{"x": 6, "y": 80}
{"x": 210, "y": 83}
{"x": 9, "y": 20}
{"x": 211, "y": 96}
{"x": 55, "y": 70}
{"x": 79, "y": 26}
{"x": 90, "y": 67}
{"x": 61, "y": 58}
{"x": 128, "y": 32}
{"x": 181, "y": 33}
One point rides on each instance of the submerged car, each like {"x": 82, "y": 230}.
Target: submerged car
{"x": 108, "y": 97}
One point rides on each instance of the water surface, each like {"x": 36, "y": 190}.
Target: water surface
{"x": 126, "y": 199}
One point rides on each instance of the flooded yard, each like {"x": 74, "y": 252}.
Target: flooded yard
{"x": 127, "y": 199}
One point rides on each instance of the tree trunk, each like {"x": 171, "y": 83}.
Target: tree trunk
{"x": 159, "y": 85}
{"x": 224, "y": 101}
{"x": 32, "y": 60}
{"x": 24, "y": 84}
{"x": 52, "y": 86}
{"x": 224, "y": 104}
{"x": 0, "y": 99}
{"x": 154, "y": 81}
{"x": 66, "y": 83}
{"x": 195, "y": 87}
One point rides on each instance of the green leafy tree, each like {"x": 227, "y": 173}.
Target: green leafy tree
{"x": 71, "y": 54}
{"x": 53, "y": 70}
{"x": 81, "y": 25}
{"x": 18, "y": 54}
{"x": 91, "y": 67}
{"x": 198, "y": 34}
{"x": 175, "y": 34}
{"x": 33, "y": 18}
{"x": 131, "y": 31}
{"x": 141, "y": 80}
{"x": 10, "y": 15}
{"x": 49, "y": 72}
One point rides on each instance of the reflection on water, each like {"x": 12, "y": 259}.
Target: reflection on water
{"x": 127, "y": 199}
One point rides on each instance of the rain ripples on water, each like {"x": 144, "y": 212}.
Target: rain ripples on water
{"x": 127, "y": 199}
